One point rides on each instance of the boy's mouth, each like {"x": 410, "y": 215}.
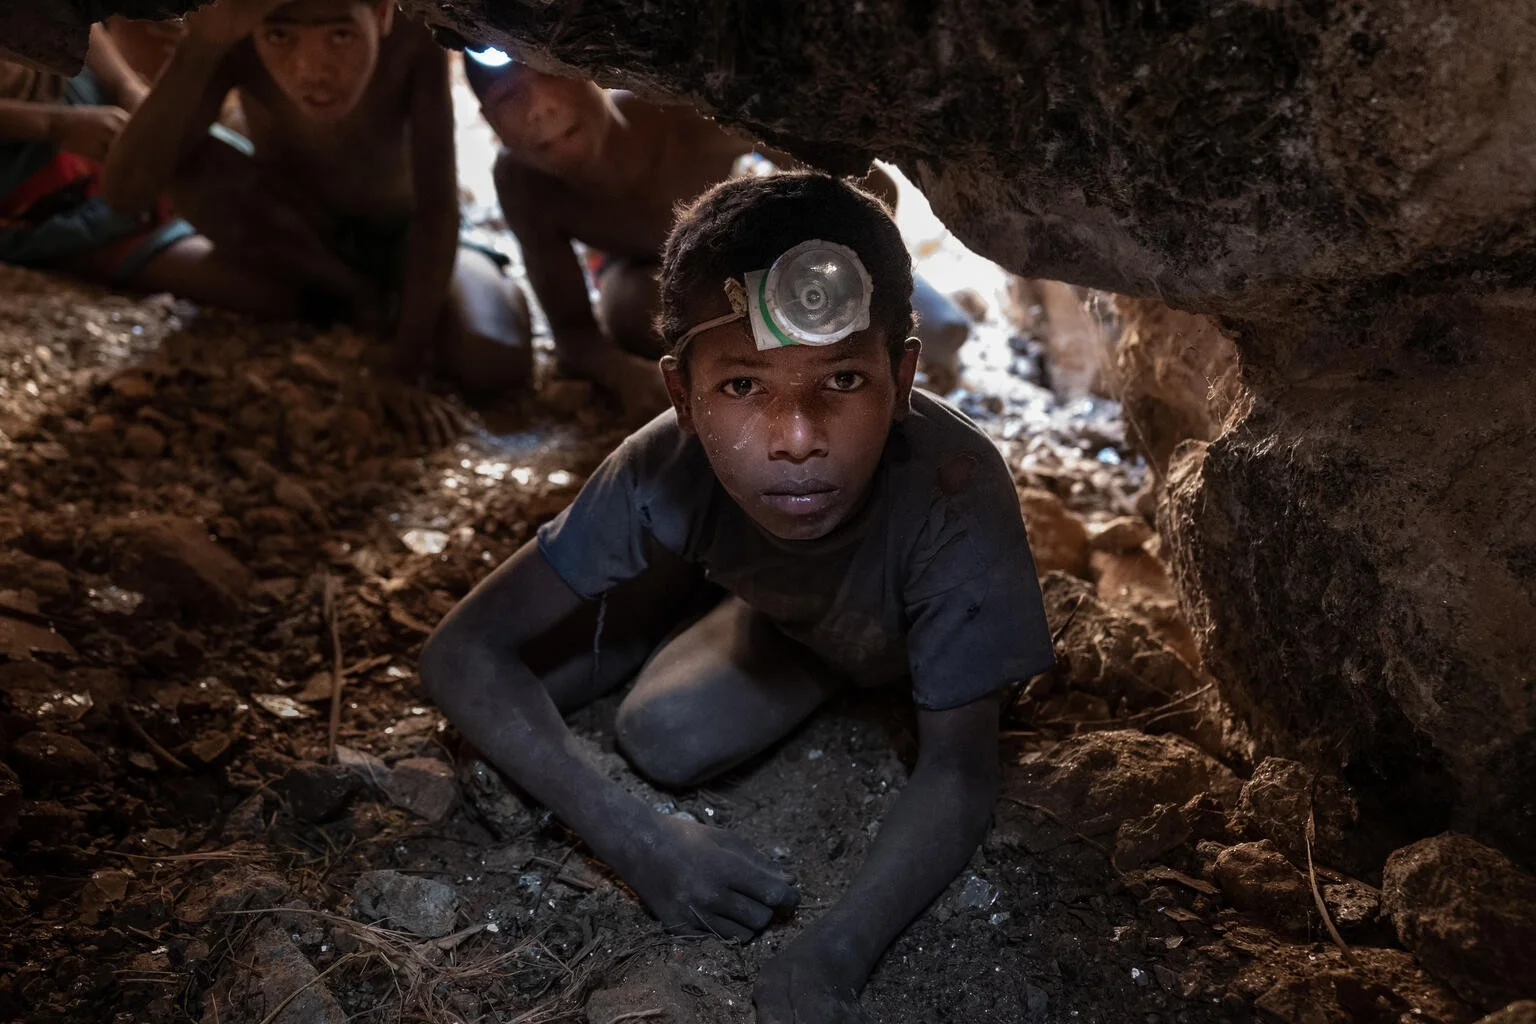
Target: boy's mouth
{"x": 800, "y": 497}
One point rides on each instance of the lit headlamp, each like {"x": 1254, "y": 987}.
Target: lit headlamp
{"x": 489, "y": 57}
{"x": 815, "y": 294}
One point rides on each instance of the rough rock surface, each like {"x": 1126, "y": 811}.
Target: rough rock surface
{"x": 46, "y": 759}
{"x": 424, "y": 786}
{"x": 1057, "y": 537}
{"x": 172, "y": 560}
{"x": 1258, "y": 879}
{"x": 1274, "y": 804}
{"x": 407, "y": 903}
{"x": 1468, "y": 914}
{"x": 1361, "y": 565}
{"x": 1094, "y": 784}
{"x": 1523, "y": 1012}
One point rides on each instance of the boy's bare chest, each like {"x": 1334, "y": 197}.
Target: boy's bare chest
{"x": 357, "y": 166}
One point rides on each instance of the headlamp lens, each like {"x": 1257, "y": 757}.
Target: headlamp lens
{"x": 817, "y": 293}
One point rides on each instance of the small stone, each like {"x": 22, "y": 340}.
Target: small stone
{"x": 491, "y": 798}
{"x": 1057, "y": 537}
{"x": 294, "y": 495}
{"x": 406, "y": 903}
{"x": 42, "y": 758}
{"x": 320, "y": 792}
{"x": 977, "y": 893}
{"x": 1468, "y": 914}
{"x": 248, "y": 820}
{"x": 1258, "y": 880}
{"x": 143, "y": 441}
{"x": 1354, "y": 906}
{"x": 1036, "y": 1002}
{"x": 424, "y": 786}
{"x": 1121, "y": 536}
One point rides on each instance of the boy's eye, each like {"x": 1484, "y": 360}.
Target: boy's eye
{"x": 276, "y": 36}
{"x": 740, "y": 387}
{"x": 845, "y": 380}
{"x": 343, "y": 35}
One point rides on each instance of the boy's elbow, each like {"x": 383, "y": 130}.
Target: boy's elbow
{"x": 438, "y": 663}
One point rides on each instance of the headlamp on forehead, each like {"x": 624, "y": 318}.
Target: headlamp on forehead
{"x": 490, "y": 57}
{"x": 815, "y": 294}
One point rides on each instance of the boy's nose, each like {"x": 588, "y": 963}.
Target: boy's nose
{"x": 797, "y": 434}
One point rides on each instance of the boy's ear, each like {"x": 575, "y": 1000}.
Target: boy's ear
{"x": 906, "y": 371}
{"x": 384, "y": 10}
{"x": 677, "y": 390}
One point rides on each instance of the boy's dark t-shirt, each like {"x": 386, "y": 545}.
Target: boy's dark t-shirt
{"x": 932, "y": 579}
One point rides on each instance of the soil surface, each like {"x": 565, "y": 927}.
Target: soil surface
{"x": 201, "y": 516}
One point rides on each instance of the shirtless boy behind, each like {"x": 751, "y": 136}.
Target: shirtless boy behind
{"x": 861, "y": 534}
{"x": 347, "y": 189}
{"x": 609, "y": 170}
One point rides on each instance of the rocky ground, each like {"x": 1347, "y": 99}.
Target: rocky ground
{"x": 202, "y": 520}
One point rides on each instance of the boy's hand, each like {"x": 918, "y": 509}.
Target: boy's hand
{"x": 696, "y": 878}
{"x": 423, "y": 417}
{"x": 226, "y": 22}
{"x": 803, "y": 985}
{"x": 88, "y": 131}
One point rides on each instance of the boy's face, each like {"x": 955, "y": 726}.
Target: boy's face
{"x": 794, "y": 434}
{"x": 553, "y": 124}
{"x": 321, "y": 53}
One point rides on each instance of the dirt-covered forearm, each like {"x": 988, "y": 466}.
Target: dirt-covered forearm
{"x": 106, "y": 62}
{"x": 174, "y": 116}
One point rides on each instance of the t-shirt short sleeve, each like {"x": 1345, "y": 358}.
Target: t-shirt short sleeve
{"x": 600, "y": 539}
{"x": 976, "y": 617}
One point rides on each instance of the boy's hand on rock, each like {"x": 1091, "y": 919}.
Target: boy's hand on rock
{"x": 696, "y": 878}
{"x": 801, "y": 986}
{"x": 423, "y": 417}
{"x": 88, "y": 131}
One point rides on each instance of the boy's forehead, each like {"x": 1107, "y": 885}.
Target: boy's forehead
{"x": 315, "y": 12}
{"x": 731, "y": 346}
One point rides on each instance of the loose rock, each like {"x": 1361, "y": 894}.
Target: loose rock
{"x": 406, "y": 903}
{"x": 1057, "y": 538}
{"x": 1468, "y": 914}
{"x": 273, "y": 974}
{"x": 44, "y": 758}
{"x": 1121, "y": 536}
{"x": 424, "y": 786}
{"x": 1258, "y": 880}
{"x": 494, "y": 802}
{"x": 143, "y": 441}
{"x": 319, "y": 792}
{"x": 172, "y": 560}
{"x": 1274, "y": 803}
{"x": 1094, "y": 783}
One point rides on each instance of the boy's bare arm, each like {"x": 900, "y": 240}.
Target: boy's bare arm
{"x": 927, "y": 838}
{"x": 184, "y": 101}
{"x": 690, "y": 875}
{"x": 434, "y": 236}
{"x": 555, "y": 273}
{"x": 122, "y": 83}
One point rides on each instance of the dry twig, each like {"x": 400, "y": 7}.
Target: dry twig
{"x": 332, "y": 607}
{"x": 148, "y": 740}
{"x": 1317, "y": 894}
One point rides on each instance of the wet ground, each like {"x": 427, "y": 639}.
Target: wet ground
{"x": 201, "y": 518}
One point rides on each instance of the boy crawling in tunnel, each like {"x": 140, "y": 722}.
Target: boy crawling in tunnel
{"x": 346, "y": 191}
{"x": 800, "y": 522}
{"x": 607, "y": 169}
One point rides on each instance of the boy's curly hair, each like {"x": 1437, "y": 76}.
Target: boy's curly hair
{"x": 746, "y": 223}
